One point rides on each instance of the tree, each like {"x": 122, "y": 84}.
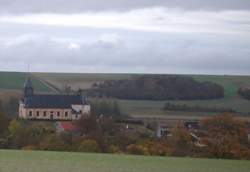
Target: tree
{"x": 157, "y": 87}
{"x": 87, "y": 125}
{"x": 226, "y": 137}
{"x": 3, "y": 123}
{"x": 14, "y": 127}
{"x": 52, "y": 142}
{"x": 89, "y": 145}
{"x": 180, "y": 142}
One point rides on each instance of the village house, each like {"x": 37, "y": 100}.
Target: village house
{"x": 51, "y": 106}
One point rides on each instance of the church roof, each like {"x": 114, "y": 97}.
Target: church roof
{"x": 53, "y": 101}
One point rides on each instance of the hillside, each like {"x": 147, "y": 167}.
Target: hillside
{"x": 152, "y": 108}
{"x": 13, "y": 81}
{"x": 40, "y": 161}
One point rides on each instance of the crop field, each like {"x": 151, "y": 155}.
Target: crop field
{"x": 41, "y": 161}
{"x": 77, "y": 80}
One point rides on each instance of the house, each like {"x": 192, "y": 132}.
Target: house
{"x": 51, "y": 106}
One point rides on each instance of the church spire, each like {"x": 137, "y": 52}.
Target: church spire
{"x": 28, "y": 88}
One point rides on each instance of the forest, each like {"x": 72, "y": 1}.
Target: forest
{"x": 157, "y": 87}
{"x": 244, "y": 92}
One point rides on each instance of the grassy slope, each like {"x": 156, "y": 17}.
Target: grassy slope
{"x": 37, "y": 161}
{"x": 15, "y": 81}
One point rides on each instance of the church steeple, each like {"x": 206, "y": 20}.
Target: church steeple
{"x": 28, "y": 88}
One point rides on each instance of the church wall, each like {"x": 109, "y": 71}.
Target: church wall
{"x": 48, "y": 114}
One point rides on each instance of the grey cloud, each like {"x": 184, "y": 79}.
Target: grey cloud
{"x": 76, "y": 6}
{"x": 134, "y": 52}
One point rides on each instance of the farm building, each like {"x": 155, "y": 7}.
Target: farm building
{"x": 51, "y": 106}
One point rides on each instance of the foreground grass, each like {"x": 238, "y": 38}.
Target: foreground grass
{"x": 39, "y": 161}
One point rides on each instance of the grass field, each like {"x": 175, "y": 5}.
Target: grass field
{"x": 15, "y": 81}
{"x": 38, "y": 161}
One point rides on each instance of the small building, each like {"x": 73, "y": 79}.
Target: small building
{"x": 65, "y": 126}
{"x": 51, "y": 106}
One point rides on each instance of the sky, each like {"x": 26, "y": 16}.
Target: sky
{"x": 123, "y": 36}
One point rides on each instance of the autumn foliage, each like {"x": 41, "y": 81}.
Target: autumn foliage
{"x": 226, "y": 137}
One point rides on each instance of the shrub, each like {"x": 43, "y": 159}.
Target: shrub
{"x": 180, "y": 142}
{"x": 114, "y": 149}
{"x": 156, "y": 148}
{"x": 89, "y": 145}
{"x": 52, "y": 142}
{"x": 29, "y": 147}
{"x": 137, "y": 149}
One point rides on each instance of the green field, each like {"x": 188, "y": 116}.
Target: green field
{"x": 38, "y": 161}
{"x": 15, "y": 81}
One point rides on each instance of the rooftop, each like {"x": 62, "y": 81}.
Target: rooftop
{"x": 53, "y": 101}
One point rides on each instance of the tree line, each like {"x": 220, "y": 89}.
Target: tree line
{"x": 157, "y": 87}
{"x": 222, "y": 136}
{"x": 183, "y": 107}
{"x": 244, "y": 92}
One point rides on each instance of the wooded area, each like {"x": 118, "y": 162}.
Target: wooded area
{"x": 157, "y": 87}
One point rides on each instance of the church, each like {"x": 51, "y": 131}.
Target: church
{"x": 51, "y": 106}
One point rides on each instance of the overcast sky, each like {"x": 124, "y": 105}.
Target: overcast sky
{"x": 139, "y": 36}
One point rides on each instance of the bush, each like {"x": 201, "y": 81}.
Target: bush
{"x": 180, "y": 142}
{"x": 89, "y": 145}
{"x": 186, "y": 108}
{"x": 156, "y": 148}
{"x": 29, "y": 147}
{"x": 52, "y": 142}
{"x": 114, "y": 149}
{"x": 137, "y": 149}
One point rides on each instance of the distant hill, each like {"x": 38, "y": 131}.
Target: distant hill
{"x": 56, "y": 82}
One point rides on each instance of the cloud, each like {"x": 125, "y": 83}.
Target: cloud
{"x": 149, "y": 20}
{"x": 74, "y": 46}
{"x": 79, "y": 6}
{"x": 209, "y": 37}
{"x": 159, "y": 53}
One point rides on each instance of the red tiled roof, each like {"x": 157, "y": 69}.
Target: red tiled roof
{"x": 67, "y": 126}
